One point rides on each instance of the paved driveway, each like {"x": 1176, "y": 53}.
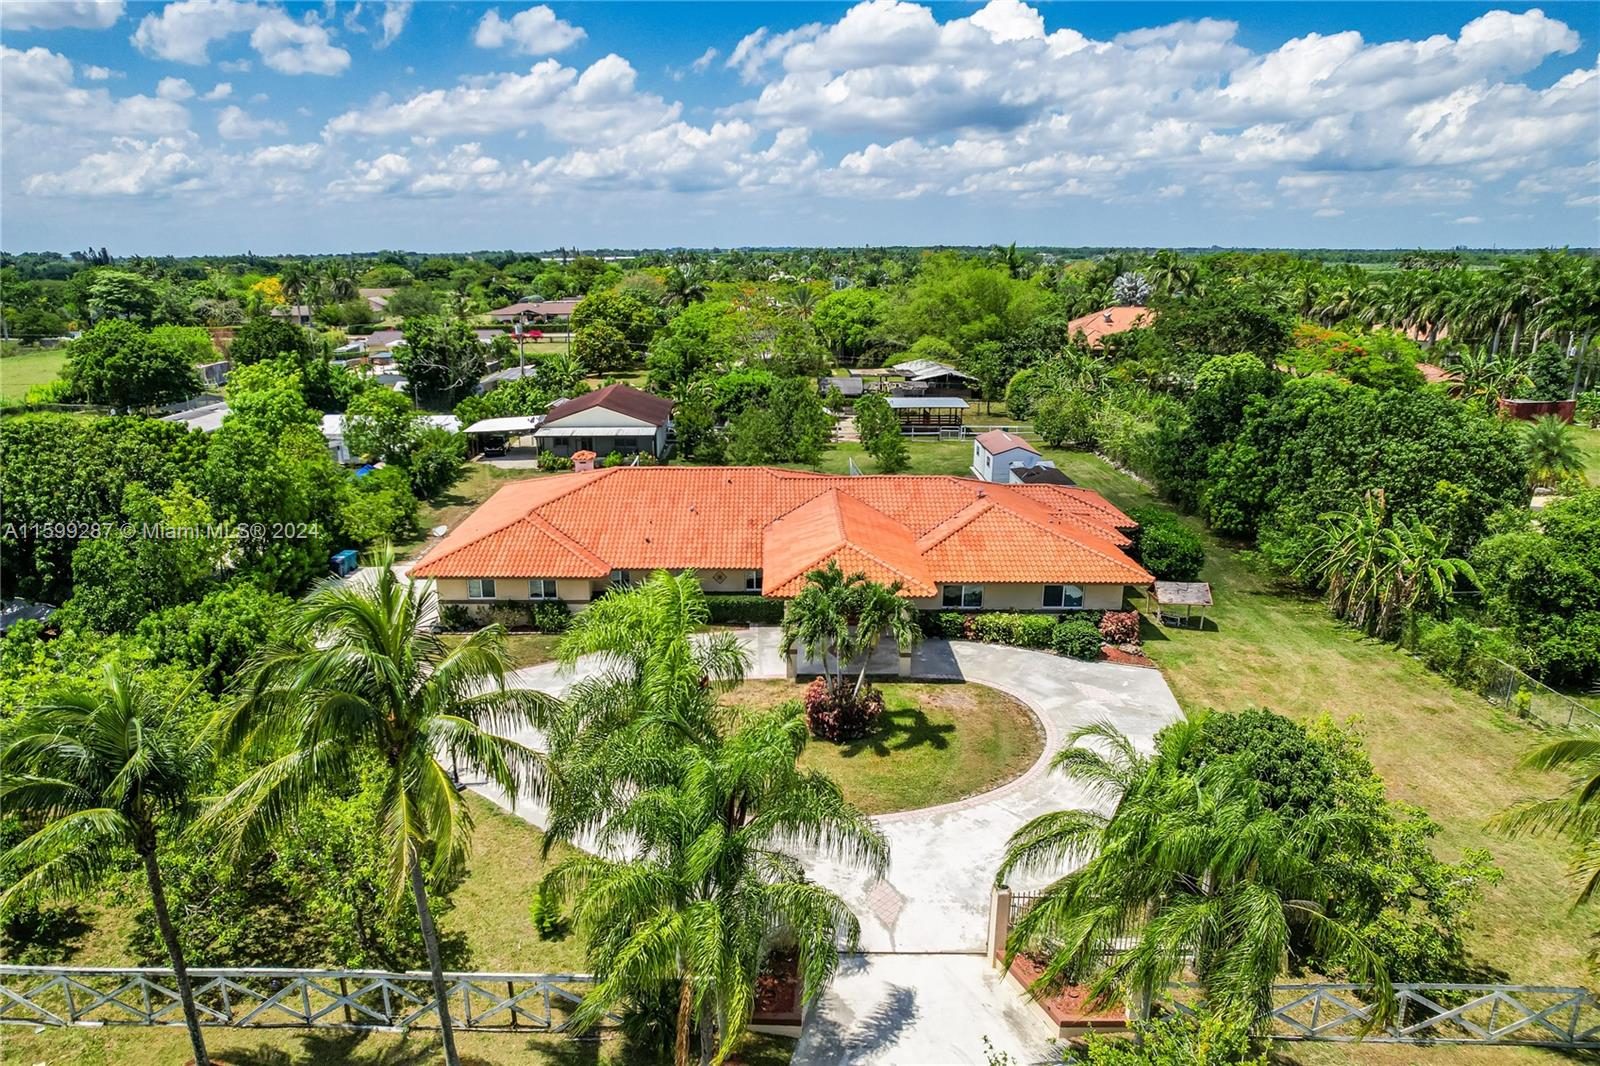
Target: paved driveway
{"x": 942, "y": 859}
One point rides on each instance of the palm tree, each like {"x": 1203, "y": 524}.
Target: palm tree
{"x": 102, "y": 770}
{"x": 684, "y": 286}
{"x": 801, "y": 301}
{"x": 1575, "y": 814}
{"x": 696, "y": 882}
{"x": 617, "y": 730}
{"x": 1552, "y": 451}
{"x": 1171, "y": 274}
{"x": 358, "y": 675}
{"x": 1011, "y": 259}
{"x": 838, "y": 619}
{"x": 1189, "y": 870}
{"x": 295, "y": 282}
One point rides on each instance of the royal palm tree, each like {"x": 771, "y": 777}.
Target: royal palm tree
{"x": 99, "y": 771}
{"x": 1188, "y": 871}
{"x": 696, "y": 881}
{"x": 357, "y": 675}
{"x": 1552, "y": 451}
{"x": 838, "y": 619}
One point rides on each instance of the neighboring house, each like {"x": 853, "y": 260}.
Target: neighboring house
{"x": 1045, "y": 473}
{"x": 849, "y": 387}
{"x": 1001, "y": 458}
{"x": 536, "y": 311}
{"x": 215, "y": 375}
{"x": 617, "y": 418}
{"x": 1102, "y": 324}
{"x": 952, "y": 543}
{"x": 333, "y": 433}
{"x": 386, "y": 341}
{"x": 377, "y": 299}
{"x": 299, "y": 314}
{"x": 206, "y": 418}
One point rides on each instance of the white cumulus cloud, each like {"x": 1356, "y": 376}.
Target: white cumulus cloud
{"x": 535, "y": 31}
{"x": 235, "y": 124}
{"x": 184, "y": 31}
{"x": 60, "y": 14}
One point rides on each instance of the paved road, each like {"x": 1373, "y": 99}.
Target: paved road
{"x": 922, "y": 982}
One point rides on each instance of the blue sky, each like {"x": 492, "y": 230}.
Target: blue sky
{"x": 221, "y": 125}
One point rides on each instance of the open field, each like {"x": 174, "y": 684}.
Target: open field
{"x": 1589, "y": 445}
{"x": 934, "y": 743}
{"x": 21, "y": 372}
{"x": 1437, "y": 746}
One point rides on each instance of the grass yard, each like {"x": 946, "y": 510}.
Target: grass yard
{"x": 1437, "y": 746}
{"x": 34, "y": 366}
{"x": 934, "y": 743}
{"x": 478, "y": 482}
{"x": 1589, "y": 444}
{"x": 490, "y": 911}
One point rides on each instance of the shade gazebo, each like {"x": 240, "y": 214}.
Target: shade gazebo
{"x": 1170, "y": 595}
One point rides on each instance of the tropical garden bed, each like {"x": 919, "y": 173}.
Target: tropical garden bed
{"x": 934, "y": 743}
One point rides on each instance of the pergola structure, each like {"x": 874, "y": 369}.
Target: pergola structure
{"x": 1170, "y": 595}
{"x": 927, "y": 412}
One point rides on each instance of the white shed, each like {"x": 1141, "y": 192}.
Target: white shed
{"x": 995, "y": 453}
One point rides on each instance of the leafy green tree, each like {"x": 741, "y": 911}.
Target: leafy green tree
{"x": 103, "y": 770}
{"x": 118, "y": 364}
{"x": 848, "y": 322}
{"x": 1189, "y": 871}
{"x": 270, "y": 396}
{"x": 602, "y": 346}
{"x": 264, "y": 338}
{"x": 435, "y": 461}
{"x": 287, "y": 485}
{"x": 215, "y": 635}
{"x": 1575, "y": 814}
{"x": 193, "y": 341}
{"x": 1065, "y": 416}
{"x": 115, "y": 294}
{"x": 378, "y": 506}
{"x": 442, "y": 360}
{"x": 1541, "y": 580}
{"x": 356, "y": 673}
{"x": 630, "y": 315}
{"x": 963, "y": 303}
{"x": 1167, "y": 547}
{"x": 382, "y": 425}
{"x": 163, "y": 555}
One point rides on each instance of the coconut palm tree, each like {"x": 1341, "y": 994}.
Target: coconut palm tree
{"x": 1171, "y": 274}
{"x": 102, "y": 770}
{"x": 696, "y": 882}
{"x": 357, "y": 675}
{"x": 295, "y": 282}
{"x": 801, "y": 301}
{"x": 1188, "y": 870}
{"x": 1552, "y": 451}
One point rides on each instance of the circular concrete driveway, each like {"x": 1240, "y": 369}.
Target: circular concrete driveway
{"x": 942, "y": 859}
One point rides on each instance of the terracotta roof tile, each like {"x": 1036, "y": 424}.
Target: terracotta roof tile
{"x": 917, "y": 529}
{"x": 1110, "y": 320}
{"x": 998, "y": 440}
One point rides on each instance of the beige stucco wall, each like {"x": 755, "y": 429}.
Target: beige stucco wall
{"x": 1024, "y": 597}
{"x": 572, "y": 590}
{"x": 732, "y": 580}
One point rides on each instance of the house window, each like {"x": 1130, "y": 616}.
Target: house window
{"x": 542, "y": 588}
{"x": 753, "y": 582}
{"x": 963, "y": 597}
{"x": 480, "y": 588}
{"x": 1062, "y": 597}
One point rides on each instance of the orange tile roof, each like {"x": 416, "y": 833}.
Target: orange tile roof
{"x": 998, "y": 440}
{"x": 916, "y": 529}
{"x": 1111, "y": 320}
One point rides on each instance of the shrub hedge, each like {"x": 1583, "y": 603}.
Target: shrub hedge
{"x": 1031, "y": 630}
{"x": 1078, "y": 638}
{"x": 552, "y": 461}
{"x": 744, "y": 610}
{"x": 1166, "y": 546}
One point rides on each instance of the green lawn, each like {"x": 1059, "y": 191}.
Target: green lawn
{"x": 478, "y": 482}
{"x": 21, "y": 372}
{"x": 934, "y": 743}
{"x": 1437, "y": 746}
{"x": 1589, "y": 445}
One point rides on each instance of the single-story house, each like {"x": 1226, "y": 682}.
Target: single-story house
{"x": 385, "y": 341}
{"x": 333, "y": 433}
{"x": 536, "y": 311}
{"x": 299, "y": 314}
{"x": 377, "y": 299}
{"x": 1102, "y": 324}
{"x": 951, "y": 543}
{"x": 1000, "y": 457}
{"x": 617, "y": 418}
{"x": 14, "y": 611}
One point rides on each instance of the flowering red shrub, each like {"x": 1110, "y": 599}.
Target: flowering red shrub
{"x": 845, "y": 716}
{"x": 1120, "y": 627}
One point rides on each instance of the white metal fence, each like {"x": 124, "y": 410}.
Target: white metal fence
{"x": 245, "y": 998}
